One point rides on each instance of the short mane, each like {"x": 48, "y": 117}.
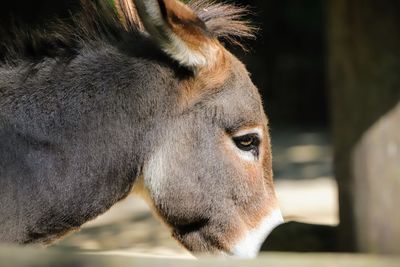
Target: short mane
{"x": 99, "y": 20}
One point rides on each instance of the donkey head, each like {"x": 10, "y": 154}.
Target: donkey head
{"x": 210, "y": 176}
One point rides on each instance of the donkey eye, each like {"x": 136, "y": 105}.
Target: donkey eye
{"x": 248, "y": 142}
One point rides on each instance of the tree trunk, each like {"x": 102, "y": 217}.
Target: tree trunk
{"x": 364, "y": 68}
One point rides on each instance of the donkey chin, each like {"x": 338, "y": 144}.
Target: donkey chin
{"x": 204, "y": 241}
{"x": 217, "y": 232}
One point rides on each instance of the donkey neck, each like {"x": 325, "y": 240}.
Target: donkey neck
{"x": 83, "y": 127}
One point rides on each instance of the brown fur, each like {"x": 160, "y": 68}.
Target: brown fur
{"x": 252, "y": 214}
{"x": 207, "y": 79}
{"x": 264, "y": 170}
{"x": 220, "y": 20}
{"x": 187, "y": 25}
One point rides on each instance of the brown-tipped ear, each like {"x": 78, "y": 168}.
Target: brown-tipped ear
{"x": 178, "y": 31}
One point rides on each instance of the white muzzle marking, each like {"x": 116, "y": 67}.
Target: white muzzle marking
{"x": 249, "y": 246}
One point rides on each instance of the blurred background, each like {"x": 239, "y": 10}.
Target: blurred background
{"x": 329, "y": 74}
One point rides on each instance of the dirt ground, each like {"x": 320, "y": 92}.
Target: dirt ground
{"x": 304, "y": 184}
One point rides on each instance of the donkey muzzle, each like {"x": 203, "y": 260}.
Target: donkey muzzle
{"x": 249, "y": 245}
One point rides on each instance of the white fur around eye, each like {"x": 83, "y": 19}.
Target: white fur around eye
{"x": 246, "y": 155}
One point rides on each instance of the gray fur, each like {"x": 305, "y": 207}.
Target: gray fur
{"x": 76, "y": 134}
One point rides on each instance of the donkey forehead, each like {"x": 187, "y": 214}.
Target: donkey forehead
{"x": 238, "y": 98}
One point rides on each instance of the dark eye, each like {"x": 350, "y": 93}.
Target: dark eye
{"x": 248, "y": 142}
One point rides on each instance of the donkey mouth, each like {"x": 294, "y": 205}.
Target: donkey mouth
{"x": 198, "y": 239}
{"x": 191, "y": 227}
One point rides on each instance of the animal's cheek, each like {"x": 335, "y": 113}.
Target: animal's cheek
{"x": 183, "y": 207}
{"x": 253, "y": 172}
{"x": 249, "y": 175}
{"x": 248, "y": 167}
{"x": 253, "y": 196}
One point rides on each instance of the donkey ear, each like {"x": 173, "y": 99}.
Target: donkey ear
{"x": 178, "y": 31}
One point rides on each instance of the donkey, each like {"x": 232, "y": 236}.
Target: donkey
{"x": 138, "y": 97}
